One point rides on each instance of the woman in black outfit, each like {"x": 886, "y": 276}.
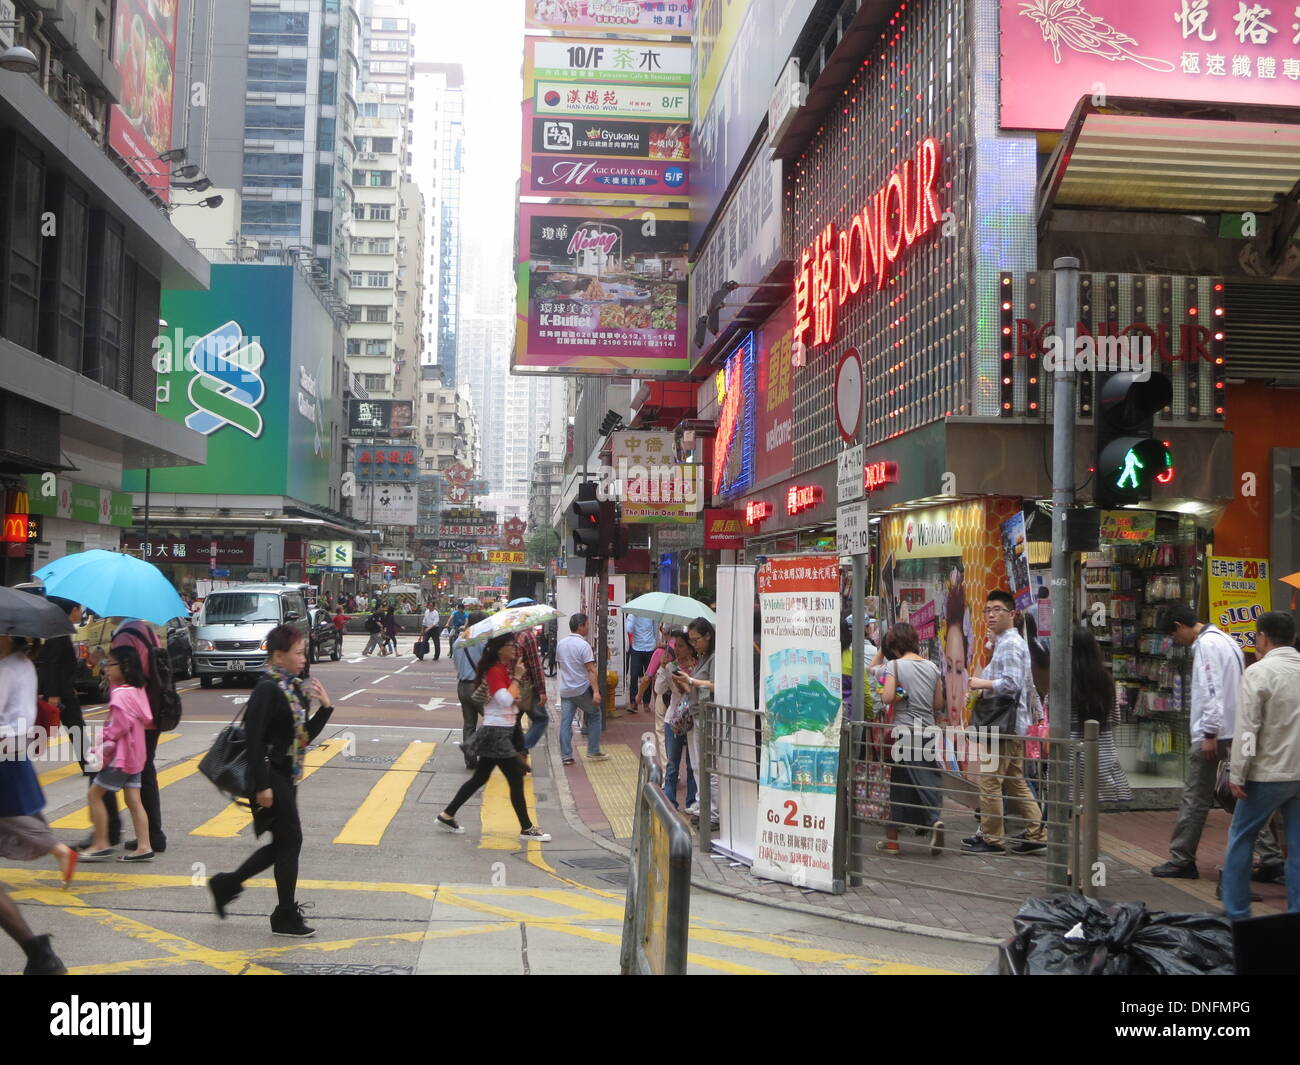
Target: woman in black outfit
{"x": 279, "y": 725}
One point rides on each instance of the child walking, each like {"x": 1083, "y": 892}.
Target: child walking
{"x": 122, "y": 756}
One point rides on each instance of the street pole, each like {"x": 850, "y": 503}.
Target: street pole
{"x": 1063, "y": 417}
{"x": 859, "y": 633}
{"x": 147, "y": 472}
{"x": 602, "y": 632}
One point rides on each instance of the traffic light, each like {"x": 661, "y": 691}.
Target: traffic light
{"x": 613, "y": 537}
{"x": 1128, "y": 459}
{"x": 585, "y": 521}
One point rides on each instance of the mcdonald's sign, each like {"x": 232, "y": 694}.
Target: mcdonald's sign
{"x": 16, "y": 530}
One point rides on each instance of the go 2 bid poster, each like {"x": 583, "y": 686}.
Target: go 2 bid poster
{"x": 798, "y": 777}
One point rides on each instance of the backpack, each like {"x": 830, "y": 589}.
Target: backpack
{"x": 164, "y": 700}
{"x": 372, "y": 624}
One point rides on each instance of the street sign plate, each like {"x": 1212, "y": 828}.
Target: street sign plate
{"x": 852, "y": 530}
{"x": 849, "y": 481}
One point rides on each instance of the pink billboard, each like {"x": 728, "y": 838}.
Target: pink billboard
{"x": 611, "y": 16}
{"x": 1222, "y": 51}
{"x": 601, "y": 289}
{"x": 144, "y": 53}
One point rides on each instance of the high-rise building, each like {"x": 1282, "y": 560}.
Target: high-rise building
{"x": 438, "y": 152}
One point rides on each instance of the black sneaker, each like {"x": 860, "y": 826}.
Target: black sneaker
{"x": 1176, "y": 871}
{"x": 41, "y": 959}
{"x": 224, "y": 891}
{"x": 1269, "y": 874}
{"x": 287, "y": 921}
{"x": 981, "y": 846}
{"x": 1028, "y": 846}
{"x": 970, "y": 841}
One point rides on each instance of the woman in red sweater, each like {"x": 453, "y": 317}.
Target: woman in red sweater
{"x": 492, "y": 743}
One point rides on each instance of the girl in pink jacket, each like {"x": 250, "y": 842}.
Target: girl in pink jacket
{"x": 121, "y": 755}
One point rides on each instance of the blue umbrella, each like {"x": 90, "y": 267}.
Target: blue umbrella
{"x": 523, "y": 600}
{"x": 114, "y": 585}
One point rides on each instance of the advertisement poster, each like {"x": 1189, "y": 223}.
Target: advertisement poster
{"x": 249, "y": 364}
{"x": 652, "y": 486}
{"x": 1015, "y": 551}
{"x": 799, "y": 599}
{"x": 1127, "y": 526}
{"x": 606, "y": 119}
{"x": 1056, "y": 51}
{"x": 733, "y": 454}
{"x": 380, "y": 417}
{"x": 1239, "y": 590}
{"x": 601, "y": 289}
{"x": 611, "y": 16}
{"x": 144, "y": 53}
{"x": 774, "y": 429}
{"x": 393, "y": 504}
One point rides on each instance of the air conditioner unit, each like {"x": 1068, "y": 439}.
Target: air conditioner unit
{"x": 788, "y": 95}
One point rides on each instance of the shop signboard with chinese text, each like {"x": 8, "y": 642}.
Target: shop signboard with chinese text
{"x": 1224, "y": 51}
{"x": 601, "y": 289}
{"x": 799, "y": 599}
{"x": 724, "y": 530}
{"x": 196, "y": 550}
{"x": 611, "y": 16}
{"x": 1239, "y": 591}
{"x": 57, "y": 497}
{"x": 512, "y": 557}
{"x": 393, "y": 504}
{"x": 603, "y": 119}
{"x": 144, "y": 53}
{"x": 652, "y": 486}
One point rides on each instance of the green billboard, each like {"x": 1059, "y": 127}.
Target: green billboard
{"x": 249, "y": 364}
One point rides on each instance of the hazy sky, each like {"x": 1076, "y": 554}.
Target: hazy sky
{"x": 486, "y": 37}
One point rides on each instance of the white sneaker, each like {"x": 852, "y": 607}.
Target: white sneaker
{"x": 536, "y": 834}
{"x": 694, "y": 809}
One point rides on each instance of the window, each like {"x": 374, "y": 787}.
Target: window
{"x": 324, "y": 179}
{"x": 380, "y": 67}
{"x": 381, "y": 144}
{"x": 377, "y": 348}
{"x": 270, "y": 74}
{"x": 381, "y": 179}
{"x": 376, "y": 279}
{"x": 272, "y": 121}
{"x": 381, "y": 247}
{"x": 358, "y": 177}
{"x": 322, "y": 225}
{"x": 325, "y": 134}
{"x": 63, "y": 307}
{"x": 272, "y": 170}
{"x": 428, "y": 464}
{"x": 428, "y": 420}
{"x": 272, "y": 219}
{"x": 354, "y": 347}
{"x": 381, "y": 212}
{"x": 354, "y": 311}
{"x": 329, "y": 42}
{"x": 376, "y": 314}
{"x": 329, "y": 82}
{"x": 374, "y": 382}
{"x": 278, "y": 27}
{"x": 20, "y": 224}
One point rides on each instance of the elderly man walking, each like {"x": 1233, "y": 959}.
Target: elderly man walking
{"x": 1265, "y": 773}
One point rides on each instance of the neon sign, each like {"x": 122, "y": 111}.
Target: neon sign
{"x": 802, "y": 497}
{"x": 878, "y": 474}
{"x": 839, "y": 263}
{"x": 733, "y": 460}
{"x": 757, "y": 511}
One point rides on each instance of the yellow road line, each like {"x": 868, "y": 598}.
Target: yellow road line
{"x": 235, "y": 818}
{"x": 499, "y": 827}
{"x": 73, "y": 768}
{"x": 614, "y": 783}
{"x": 185, "y": 951}
{"x": 367, "y": 826}
{"x": 173, "y": 773}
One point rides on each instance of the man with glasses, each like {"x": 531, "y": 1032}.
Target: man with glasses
{"x": 1008, "y": 674}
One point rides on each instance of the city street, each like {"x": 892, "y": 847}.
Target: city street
{"x": 392, "y": 892}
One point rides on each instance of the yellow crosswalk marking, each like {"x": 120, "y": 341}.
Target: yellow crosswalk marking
{"x": 366, "y": 827}
{"x": 614, "y": 783}
{"x": 498, "y": 823}
{"x": 235, "y": 818}
{"x": 73, "y": 768}
{"x": 81, "y": 818}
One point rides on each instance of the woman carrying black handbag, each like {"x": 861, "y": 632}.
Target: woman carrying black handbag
{"x": 278, "y": 727}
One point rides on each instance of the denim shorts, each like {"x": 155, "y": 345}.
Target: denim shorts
{"x": 111, "y": 778}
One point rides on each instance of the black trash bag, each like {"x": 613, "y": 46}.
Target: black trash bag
{"x": 1115, "y": 939}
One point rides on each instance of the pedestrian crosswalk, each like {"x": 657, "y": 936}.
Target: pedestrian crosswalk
{"x": 364, "y": 798}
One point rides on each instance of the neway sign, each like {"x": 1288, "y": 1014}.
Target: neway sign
{"x": 852, "y": 529}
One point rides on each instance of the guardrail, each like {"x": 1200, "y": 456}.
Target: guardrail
{"x": 656, "y": 920}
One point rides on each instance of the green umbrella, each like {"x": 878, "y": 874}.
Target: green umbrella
{"x": 667, "y": 607}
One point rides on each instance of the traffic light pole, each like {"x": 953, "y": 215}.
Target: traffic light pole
{"x": 602, "y": 634}
{"x": 1063, "y": 418}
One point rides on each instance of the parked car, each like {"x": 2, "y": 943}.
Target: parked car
{"x": 325, "y": 638}
{"x": 92, "y": 642}
{"x": 233, "y": 626}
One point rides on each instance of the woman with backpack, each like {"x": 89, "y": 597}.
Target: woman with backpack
{"x": 121, "y": 756}
{"x": 164, "y": 705}
{"x": 279, "y": 724}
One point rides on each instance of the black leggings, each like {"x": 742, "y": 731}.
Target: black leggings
{"x": 513, "y": 770}
{"x": 282, "y": 821}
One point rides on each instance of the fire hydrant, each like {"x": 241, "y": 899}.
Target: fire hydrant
{"x": 611, "y": 693}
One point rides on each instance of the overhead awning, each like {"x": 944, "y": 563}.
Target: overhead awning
{"x": 1184, "y": 157}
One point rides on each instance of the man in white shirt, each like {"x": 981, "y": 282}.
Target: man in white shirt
{"x": 430, "y": 629}
{"x": 1217, "y": 665}
{"x": 577, "y": 670}
{"x": 1266, "y": 763}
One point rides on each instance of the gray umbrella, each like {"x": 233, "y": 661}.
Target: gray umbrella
{"x": 25, "y": 614}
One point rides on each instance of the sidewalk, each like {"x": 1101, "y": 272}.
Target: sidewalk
{"x": 600, "y": 804}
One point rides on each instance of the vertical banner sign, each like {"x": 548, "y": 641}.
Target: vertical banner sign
{"x": 601, "y": 289}
{"x": 1240, "y": 590}
{"x": 799, "y": 597}
{"x": 144, "y": 53}
{"x": 1015, "y": 550}
{"x": 606, "y": 119}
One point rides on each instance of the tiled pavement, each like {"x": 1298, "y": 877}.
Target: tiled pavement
{"x": 955, "y": 895}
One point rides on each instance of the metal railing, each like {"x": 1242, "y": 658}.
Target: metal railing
{"x": 656, "y": 919}
{"x": 900, "y": 781}
{"x": 731, "y": 745}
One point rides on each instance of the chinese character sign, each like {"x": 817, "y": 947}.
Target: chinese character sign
{"x": 1239, "y": 591}
{"x": 612, "y": 16}
{"x": 1056, "y": 51}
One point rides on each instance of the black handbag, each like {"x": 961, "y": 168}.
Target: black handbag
{"x": 226, "y": 763}
{"x": 996, "y": 712}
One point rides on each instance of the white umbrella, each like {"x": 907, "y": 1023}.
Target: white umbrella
{"x": 513, "y": 619}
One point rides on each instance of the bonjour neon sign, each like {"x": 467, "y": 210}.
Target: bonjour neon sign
{"x": 840, "y": 262}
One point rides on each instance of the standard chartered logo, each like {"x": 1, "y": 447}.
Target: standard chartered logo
{"x": 227, "y": 385}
